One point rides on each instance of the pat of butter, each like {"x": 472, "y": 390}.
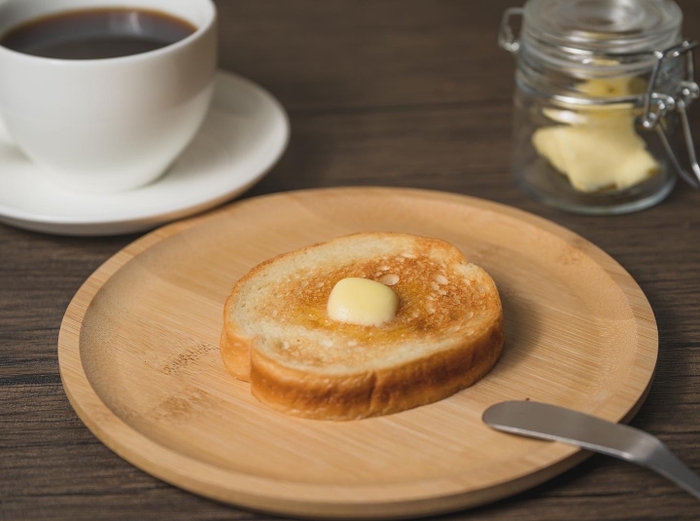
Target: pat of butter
{"x": 363, "y": 302}
{"x": 597, "y": 155}
{"x": 600, "y": 149}
{"x": 613, "y": 87}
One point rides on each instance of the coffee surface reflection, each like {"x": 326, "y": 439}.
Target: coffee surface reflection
{"x": 97, "y": 33}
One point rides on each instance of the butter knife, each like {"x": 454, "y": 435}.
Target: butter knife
{"x": 550, "y": 422}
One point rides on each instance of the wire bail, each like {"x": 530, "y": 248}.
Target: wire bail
{"x": 506, "y": 38}
{"x": 657, "y": 105}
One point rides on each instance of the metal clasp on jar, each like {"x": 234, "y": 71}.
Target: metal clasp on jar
{"x": 657, "y": 105}
{"x": 506, "y": 38}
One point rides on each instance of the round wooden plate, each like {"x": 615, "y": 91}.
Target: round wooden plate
{"x": 138, "y": 353}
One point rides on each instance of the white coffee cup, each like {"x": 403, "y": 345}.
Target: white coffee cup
{"x": 111, "y": 124}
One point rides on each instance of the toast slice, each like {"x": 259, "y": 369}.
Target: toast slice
{"x": 447, "y": 332}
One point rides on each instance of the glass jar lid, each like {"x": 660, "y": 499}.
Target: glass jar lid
{"x": 600, "y": 36}
{"x": 609, "y": 26}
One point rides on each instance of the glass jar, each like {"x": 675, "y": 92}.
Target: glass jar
{"x": 602, "y": 88}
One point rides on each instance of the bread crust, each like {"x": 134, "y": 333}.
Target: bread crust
{"x": 318, "y": 394}
{"x": 376, "y": 393}
{"x": 235, "y": 352}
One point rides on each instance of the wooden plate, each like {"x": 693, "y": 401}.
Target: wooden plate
{"x": 138, "y": 352}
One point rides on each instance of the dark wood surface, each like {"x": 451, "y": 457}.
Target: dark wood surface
{"x": 399, "y": 93}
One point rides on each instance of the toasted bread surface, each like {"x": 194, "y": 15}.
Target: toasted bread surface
{"x": 447, "y": 332}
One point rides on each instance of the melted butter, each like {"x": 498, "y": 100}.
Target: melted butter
{"x": 363, "y": 302}
{"x": 307, "y": 305}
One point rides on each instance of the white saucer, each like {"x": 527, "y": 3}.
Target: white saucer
{"x": 243, "y": 136}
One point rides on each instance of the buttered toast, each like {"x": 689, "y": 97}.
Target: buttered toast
{"x": 280, "y": 334}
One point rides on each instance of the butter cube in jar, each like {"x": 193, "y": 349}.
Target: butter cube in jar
{"x": 602, "y": 88}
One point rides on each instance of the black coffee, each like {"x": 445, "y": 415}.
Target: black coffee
{"x": 97, "y": 33}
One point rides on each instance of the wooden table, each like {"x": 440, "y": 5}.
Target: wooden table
{"x": 398, "y": 93}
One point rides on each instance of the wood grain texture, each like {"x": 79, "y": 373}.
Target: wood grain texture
{"x": 139, "y": 359}
{"x": 398, "y": 93}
